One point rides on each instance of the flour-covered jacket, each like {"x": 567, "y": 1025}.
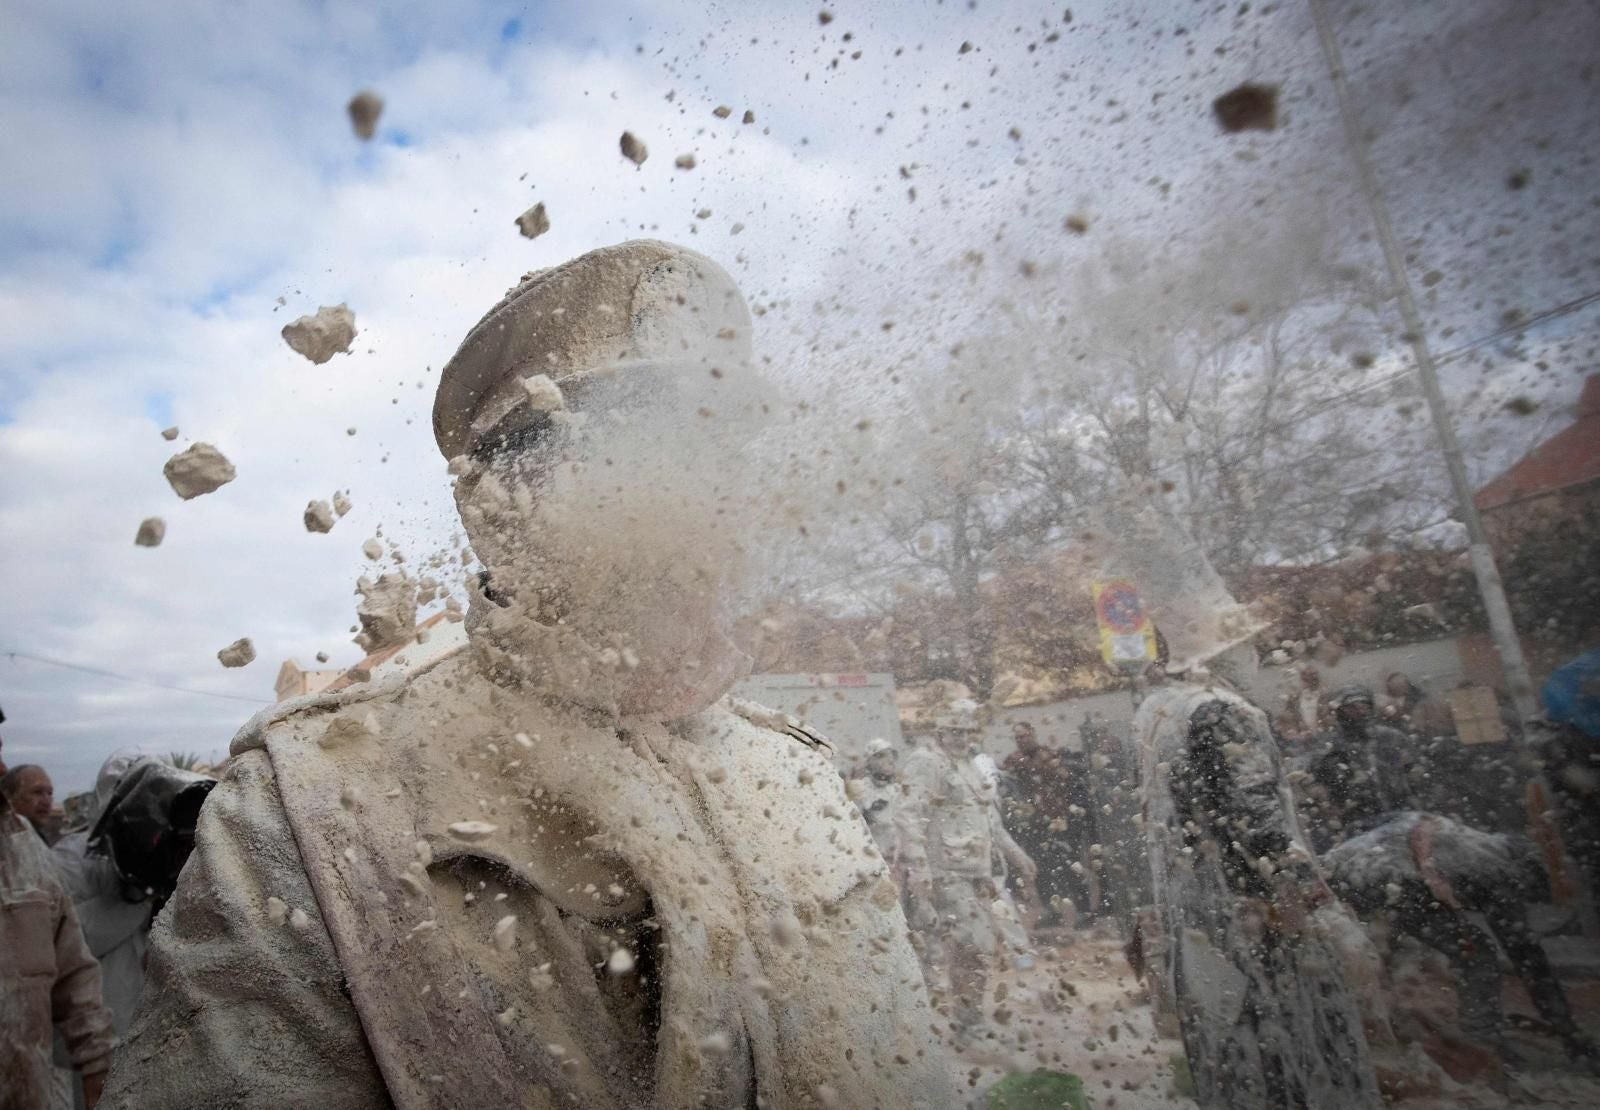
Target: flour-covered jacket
{"x": 956, "y": 808}
{"x": 1266, "y": 1017}
{"x": 1370, "y": 869}
{"x": 450, "y": 893}
{"x": 49, "y": 982}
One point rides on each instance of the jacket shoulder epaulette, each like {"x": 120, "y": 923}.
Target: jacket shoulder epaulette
{"x": 759, "y": 715}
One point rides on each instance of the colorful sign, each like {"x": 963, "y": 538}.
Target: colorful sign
{"x": 1126, "y": 634}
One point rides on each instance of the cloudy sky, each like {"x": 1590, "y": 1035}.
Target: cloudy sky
{"x": 169, "y": 172}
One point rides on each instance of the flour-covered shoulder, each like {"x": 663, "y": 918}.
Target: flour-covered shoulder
{"x": 787, "y": 725}
{"x": 779, "y": 795}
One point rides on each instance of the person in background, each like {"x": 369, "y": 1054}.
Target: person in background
{"x": 920, "y": 774}
{"x": 1431, "y": 876}
{"x": 1015, "y": 943}
{"x": 875, "y": 789}
{"x": 1046, "y": 808}
{"x": 1267, "y": 1017}
{"x": 1427, "y": 873}
{"x": 1305, "y": 716}
{"x": 1363, "y": 774}
{"x": 122, "y": 867}
{"x": 32, "y": 795}
{"x": 961, "y": 833}
{"x": 49, "y": 981}
{"x": 895, "y": 800}
{"x": 114, "y": 915}
{"x": 1570, "y": 751}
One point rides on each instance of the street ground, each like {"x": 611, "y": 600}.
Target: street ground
{"x": 1080, "y": 1009}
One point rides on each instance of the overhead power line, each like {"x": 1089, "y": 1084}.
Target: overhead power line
{"x": 103, "y": 673}
{"x": 1548, "y": 314}
{"x": 1324, "y": 404}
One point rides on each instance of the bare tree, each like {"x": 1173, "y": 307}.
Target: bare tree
{"x": 1246, "y": 387}
{"x": 962, "y": 505}
{"x": 1244, "y": 384}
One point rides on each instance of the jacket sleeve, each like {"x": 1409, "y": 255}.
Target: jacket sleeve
{"x": 1010, "y": 851}
{"x": 75, "y": 1004}
{"x": 1398, "y": 769}
{"x": 107, "y": 918}
{"x": 913, "y": 818}
{"x": 1229, "y": 786}
{"x": 244, "y": 1004}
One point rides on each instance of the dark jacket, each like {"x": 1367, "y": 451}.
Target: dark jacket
{"x": 1363, "y": 776}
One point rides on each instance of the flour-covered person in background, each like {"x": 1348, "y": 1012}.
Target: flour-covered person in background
{"x": 1267, "y": 1018}
{"x": 958, "y": 834}
{"x": 49, "y": 981}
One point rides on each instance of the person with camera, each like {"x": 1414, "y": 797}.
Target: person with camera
{"x": 123, "y": 865}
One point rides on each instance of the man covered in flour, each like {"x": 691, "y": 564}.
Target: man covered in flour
{"x": 1266, "y": 1015}
{"x": 553, "y": 868}
{"x": 957, "y": 834}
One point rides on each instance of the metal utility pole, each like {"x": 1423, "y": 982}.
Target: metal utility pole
{"x": 1502, "y": 630}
